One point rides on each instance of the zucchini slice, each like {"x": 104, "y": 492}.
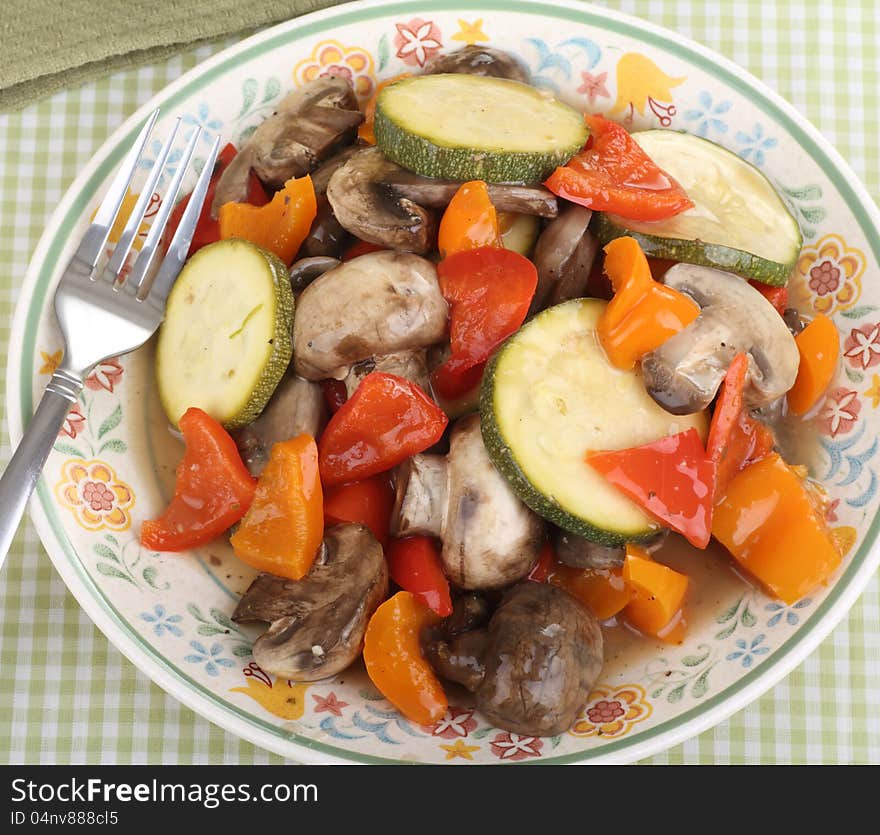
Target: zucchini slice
{"x": 739, "y": 222}
{"x": 549, "y": 395}
{"x": 470, "y": 127}
{"x": 226, "y": 339}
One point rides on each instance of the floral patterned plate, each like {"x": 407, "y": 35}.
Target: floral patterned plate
{"x": 113, "y": 462}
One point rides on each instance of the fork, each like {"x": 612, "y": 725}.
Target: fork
{"x": 104, "y": 313}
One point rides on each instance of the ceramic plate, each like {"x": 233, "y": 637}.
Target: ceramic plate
{"x": 112, "y": 466}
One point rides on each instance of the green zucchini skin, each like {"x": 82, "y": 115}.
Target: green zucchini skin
{"x": 429, "y": 150}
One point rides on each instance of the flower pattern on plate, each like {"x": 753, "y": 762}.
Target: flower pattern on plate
{"x": 417, "y": 40}
{"x": 612, "y": 712}
{"x": 862, "y": 346}
{"x": 95, "y": 495}
{"x": 839, "y": 412}
{"x": 353, "y": 63}
{"x": 642, "y": 86}
{"x": 828, "y": 275}
{"x": 514, "y": 747}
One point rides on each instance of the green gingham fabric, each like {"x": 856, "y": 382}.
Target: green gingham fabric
{"x": 68, "y": 696}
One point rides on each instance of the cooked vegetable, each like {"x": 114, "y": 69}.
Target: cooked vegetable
{"x": 467, "y": 127}
{"x": 777, "y": 296}
{"x": 735, "y": 438}
{"x": 738, "y": 223}
{"x": 489, "y": 291}
{"x": 394, "y": 659}
{"x": 671, "y": 478}
{"x": 518, "y": 231}
{"x": 365, "y": 131}
{"x": 684, "y": 373}
{"x": 469, "y": 222}
{"x": 296, "y": 408}
{"x": 549, "y": 394}
{"x": 368, "y": 502}
{"x": 414, "y": 564}
{"x": 280, "y": 226}
{"x": 213, "y": 489}
{"x": 326, "y": 236}
{"x": 490, "y": 538}
{"x": 282, "y": 530}
{"x": 643, "y": 314}
{"x": 614, "y": 174}
{"x": 377, "y": 304}
{"x": 578, "y": 552}
{"x": 317, "y": 623}
{"x": 819, "y": 347}
{"x": 225, "y": 342}
{"x": 304, "y": 271}
{"x": 383, "y": 423}
{"x": 771, "y": 527}
{"x": 475, "y": 59}
{"x": 658, "y": 596}
{"x": 532, "y": 669}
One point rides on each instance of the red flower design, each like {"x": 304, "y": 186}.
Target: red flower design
{"x": 513, "y": 747}
{"x": 862, "y": 346}
{"x": 824, "y": 278}
{"x": 456, "y": 724}
{"x": 98, "y": 496}
{"x": 605, "y": 711}
{"x": 105, "y": 376}
{"x": 73, "y": 422}
{"x": 417, "y": 41}
{"x": 594, "y": 86}
{"x": 839, "y": 412}
{"x": 330, "y": 704}
{"x": 831, "y": 511}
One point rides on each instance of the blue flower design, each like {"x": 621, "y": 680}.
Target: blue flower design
{"x": 201, "y": 120}
{"x": 162, "y": 621}
{"x": 210, "y": 658}
{"x": 755, "y": 145}
{"x": 788, "y": 612}
{"x": 707, "y": 115}
{"x": 748, "y": 651}
{"x": 151, "y": 154}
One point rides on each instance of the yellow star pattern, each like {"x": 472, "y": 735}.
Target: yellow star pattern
{"x": 470, "y": 33}
{"x": 459, "y": 749}
{"x": 874, "y": 391}
{"x": 50, "y": 362}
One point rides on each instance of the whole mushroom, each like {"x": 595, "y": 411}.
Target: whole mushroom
{"x": 684, "y": 373}
{"x": 479, "y": 60}
{"x": 317, "y": 624}
{"x": 532, "y": 669}
{"x": 490, "y": 538}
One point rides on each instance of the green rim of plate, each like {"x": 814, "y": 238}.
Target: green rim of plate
{"x": 716, "y": 66}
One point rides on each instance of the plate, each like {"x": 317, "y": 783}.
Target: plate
{"x": 113, "y": 464}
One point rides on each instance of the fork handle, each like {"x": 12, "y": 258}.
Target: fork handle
{"x": 21, "y": 475}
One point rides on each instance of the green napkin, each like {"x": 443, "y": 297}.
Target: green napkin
{"x": 49, "y": 45}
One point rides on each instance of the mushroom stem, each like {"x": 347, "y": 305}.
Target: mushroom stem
{"x": 422, "y": 496}
{"x": 411, "y": 365}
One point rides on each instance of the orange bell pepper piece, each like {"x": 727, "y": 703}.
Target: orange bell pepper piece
{"x": 283, "y": 529}
{"x": 819, "y": 346}
{"x": 365, "y": 131}
{"x": 394, "y": 660}
{"x": 469, "y": 222}
{"x": 643, "y": 313}
{"x": 280, "y": 226}
{"x": 658, "y": 596}
{"x": 772, "y": 528}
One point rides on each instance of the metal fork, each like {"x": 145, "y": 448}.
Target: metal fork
{"x": 103, "y": 312}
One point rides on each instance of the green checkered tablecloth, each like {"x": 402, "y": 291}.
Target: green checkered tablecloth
{"x": 68, "y": 696}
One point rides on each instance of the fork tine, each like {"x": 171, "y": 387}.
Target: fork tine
{"x": 95, "y": 238}
{"x": 141, "y": 268}
{"x": 136, "y": 218}
{"x": 183, "y": 235}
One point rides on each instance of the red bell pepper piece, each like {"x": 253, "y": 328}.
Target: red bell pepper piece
{"x": 489, "y": 291}
{"x": 335, "y": 394}
{"x": 613, "y": 174}
{"x": 361, "y": 248}
{"x": 777, "y": 296}
{"x": 387, "y": 420}
{"x": 414, "y": 564}
{"x": 671, "y": 479}
{"x": 208, "y": 229}
{"x": 369, "y": 502}
{"x": 735, "y": 439}
{"x": 213, "y": 490}
{"x": 545, "y": 565}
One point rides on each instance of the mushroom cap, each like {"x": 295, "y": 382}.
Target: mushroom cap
{"x": 684, "y": 373}
{"x": 373, "y": 305}
{"x": 479, "y": 60}
{"x": 317, "y": 624}
{"x": 579, "y": 552}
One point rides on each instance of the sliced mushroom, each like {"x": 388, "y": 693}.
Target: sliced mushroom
{"x": 411, "y": 365}
{"x": 372, "y": 306}
{"x": 684, "y": 373}
{"x": 373, "y": 211}
{"x": 309, "y": 124}
{"x": 533, "y": 669}
{"x": 296, "y": 407}
{"x": 317, "y": 624}
{"x": 564, "y": 256}
{"x": 479, "y": 60}
{"x": 490, "y": 538}
{"x": 576, "y": 551}
{"x": 304, "y": 271}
